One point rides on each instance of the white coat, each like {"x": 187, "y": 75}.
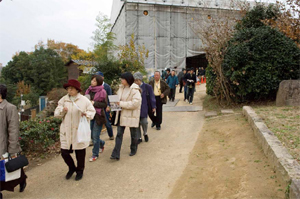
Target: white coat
{"x": 71, "y": 118}
{"x": 130, "y": 102}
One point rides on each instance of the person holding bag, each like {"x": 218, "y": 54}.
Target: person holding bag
{"x": 71, "y": 108}
{"x": 9, "y": 139}
{"x": 130, "y": 102}
{"x": 98, "y": 98}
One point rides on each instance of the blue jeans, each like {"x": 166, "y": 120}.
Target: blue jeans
{"x": 98, "y": 143}
{"x": 185, "y": 92}
{"x": 108, "y": 125}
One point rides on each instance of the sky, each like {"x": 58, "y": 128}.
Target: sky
{"x": 23, "y": 23}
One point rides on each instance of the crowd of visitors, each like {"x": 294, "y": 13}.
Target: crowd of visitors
{"x": 137, "y": 101}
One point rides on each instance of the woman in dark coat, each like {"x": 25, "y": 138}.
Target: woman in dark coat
{"x": 9, "y": 128}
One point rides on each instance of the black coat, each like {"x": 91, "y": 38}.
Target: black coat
{"x": 191, "y": 79}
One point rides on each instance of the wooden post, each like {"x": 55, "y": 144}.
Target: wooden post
{"x": 33, "y": 113}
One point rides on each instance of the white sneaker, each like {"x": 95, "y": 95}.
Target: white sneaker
{"x": 191, "y": 103}
{"x": 93, "y": 158}
{"x": 101, "y": 150}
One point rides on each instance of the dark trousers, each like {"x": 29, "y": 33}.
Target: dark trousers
{"x": 119, "y": 140}
{"x": 80, "y": 156}
{"x": 157, "y": 120}
{"x": 108, "y": 125}
{"x": 172, "y": 94}
{"x": 190, "y": 94}
{"x": 10, "y": 185}
{"x": 181, "y": 85}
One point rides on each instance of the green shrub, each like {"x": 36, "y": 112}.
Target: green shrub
{"x": 257, "y": 60}
{"x": 210, "y": 80}
{"x": 38, "y": 135}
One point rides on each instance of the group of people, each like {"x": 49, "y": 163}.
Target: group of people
{"x": 186, "y": 79}
{"x": 138, "y": 100}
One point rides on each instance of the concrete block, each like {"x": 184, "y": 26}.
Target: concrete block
{"x": 211, "y": 114}
{"x": 295, "y": 189}
{"x": 227, "y": 111}
{"x": 182, "y": 109}
{"x": 285, "y": 165}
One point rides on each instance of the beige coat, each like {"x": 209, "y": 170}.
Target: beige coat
{"x": 71, "y": 118}
{"x": 9, "y": 128}
{"x": 130, "y": 102}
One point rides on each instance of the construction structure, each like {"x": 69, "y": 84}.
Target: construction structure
{"x": 169, "y": 29}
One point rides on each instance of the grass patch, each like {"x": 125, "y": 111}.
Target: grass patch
{"x": 284, "y": 123}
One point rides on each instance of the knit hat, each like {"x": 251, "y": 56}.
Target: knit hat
{"x": 99, "y": 73}
{"x": 138, "y": 75}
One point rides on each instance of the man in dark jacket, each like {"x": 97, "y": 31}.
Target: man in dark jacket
{"x": 161, "y": 91}
{"x": 172, "y": 81}
{"x": 168, "y": 74}
{"x": 180, "y": 79}
{"x": 107, "y": 111}
{"x": 148, "y": 104}
{"x": 191, "y": 80}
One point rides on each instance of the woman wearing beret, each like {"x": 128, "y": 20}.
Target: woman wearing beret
{"x": 130, "y": 102}
{"x": 71, "y": 108}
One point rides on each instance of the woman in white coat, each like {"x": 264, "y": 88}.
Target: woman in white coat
{"x": 71, "y": 108}
{"x": 130, "y": 102}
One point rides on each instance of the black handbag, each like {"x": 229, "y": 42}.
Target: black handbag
{"x": 113, "y": 118}
{"x": 14, "y": 164}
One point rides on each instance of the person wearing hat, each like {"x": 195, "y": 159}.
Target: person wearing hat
{"x": 71, "y": 108}
{"x": 107, "y": 110}
{"x": 130, "y": 102}
{"x": 191, "y": 80}
{"x": 148, "y": 105}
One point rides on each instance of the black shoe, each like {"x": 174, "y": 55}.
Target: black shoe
{"x": 158, "y": 128}
{"x": 146, "y": 138}
{"x": 140, "y": 140}
{"x": 22, "y": 186}
{"x": 152, "y": 125}
{"x": 69, "y": 174}
{"x": 114, "y": 158}
{"x": 78, "y": 176}
{"x": 132, "y": 154}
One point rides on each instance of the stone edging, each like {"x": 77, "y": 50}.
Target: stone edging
{"x": 284, "y": 164}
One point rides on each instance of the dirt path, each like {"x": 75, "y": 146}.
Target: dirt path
{"x": 227, "y": 162}
{"x": 151, "y": 173}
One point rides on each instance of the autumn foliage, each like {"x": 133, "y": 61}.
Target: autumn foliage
{"x": 287, "y": 21}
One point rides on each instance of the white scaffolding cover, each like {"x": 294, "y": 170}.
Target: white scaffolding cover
{"x": 168, "y": 31}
